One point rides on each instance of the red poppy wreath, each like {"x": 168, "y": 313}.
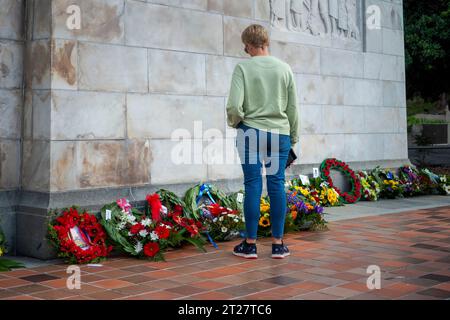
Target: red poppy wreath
{"x": 347, "y": 197}
{"x": 78, "y": 237}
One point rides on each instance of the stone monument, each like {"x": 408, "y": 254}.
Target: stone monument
{"x": 91, "y": 93}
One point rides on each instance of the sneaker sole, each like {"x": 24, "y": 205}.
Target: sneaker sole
{"x": 280, "y": 256}
{"x": 246, "y": 256}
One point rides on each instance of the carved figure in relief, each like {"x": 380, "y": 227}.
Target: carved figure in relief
{"x": 333, "y": 9}
{"x": 297, "y": 11}
{"x": 353, "y": 30}
{"x": 318, "y": 12}
{"x": 333, "y": 17}
{"x": 343, "y": 17}
{"x": 278, "y": 13}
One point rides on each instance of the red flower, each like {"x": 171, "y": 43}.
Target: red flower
{"x": 178, "y": 209}
{"x": 136, "y": 228}
{"x": 88, "y": 224}
{"x": 216, "y": 209}
{"x": 162, "y": 232}
{"x": 151, "y": 249}
{"x": 155, "y": 204}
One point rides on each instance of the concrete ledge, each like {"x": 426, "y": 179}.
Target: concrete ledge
{"x": 385, "y": 206}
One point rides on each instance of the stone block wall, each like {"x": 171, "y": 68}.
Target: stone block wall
{"x": 11, "y": 74}
{"x": 100, "y": 103}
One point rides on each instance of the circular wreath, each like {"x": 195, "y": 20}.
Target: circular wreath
{"x": 206, "y": 193}
{"x": 135, "y": 233}
{"x": 78, "y": 237}
{"x": 169, "y": 199}
{"x": 347, "y": 197}
{"x": 150, "y": 234}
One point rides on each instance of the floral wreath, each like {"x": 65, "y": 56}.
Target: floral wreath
{"x": 347, "y": 197}
{"x": 148, "y": 235}
{"x": 135, "y": 233}
{"x": 205, "y": 194}
{"x": 78, "y": 237}
{"x": 172, "y": 212}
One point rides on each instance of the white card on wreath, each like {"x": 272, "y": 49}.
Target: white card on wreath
{"x": 240, "y": 197}
{"x": 315, "y": 172}
{"x": 304, "y": 179}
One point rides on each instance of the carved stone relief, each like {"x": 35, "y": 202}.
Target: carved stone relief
{"x": 336, "y": 18}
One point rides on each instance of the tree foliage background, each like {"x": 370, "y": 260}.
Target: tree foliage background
{"x": 427, "y": 44}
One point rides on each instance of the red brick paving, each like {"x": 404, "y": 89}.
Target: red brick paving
{"x": 411, "y": 248}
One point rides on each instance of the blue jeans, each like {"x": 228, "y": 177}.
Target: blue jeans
{"x": 255, "y": 146}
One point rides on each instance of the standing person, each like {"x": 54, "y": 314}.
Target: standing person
{"x": 262, "y": 105}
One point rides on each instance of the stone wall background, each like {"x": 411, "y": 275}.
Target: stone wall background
{"x": 100, "y": 103}
{"x": 11, "y": 102}
{"x": 139, "y": 69}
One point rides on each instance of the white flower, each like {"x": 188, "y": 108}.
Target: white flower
{"x": 221, "y": 219}
{"x": 224, "y": 229}
{"x": 121, "y": 226}
{"x": 138, "y": 247}
{"x": 143, "y": 233}
{"x": 232, "y": 215}
{"x": 146, "y": 222}
{"x": 154, "y": 236}
{"x": 236, "y": 220}
{"x": 168, "y": 227}
{"x": 130, "y": 218}
{"x": 215, "y": 220}
{"x": 130, "y": 234}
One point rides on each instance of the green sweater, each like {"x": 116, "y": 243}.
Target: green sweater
{"x": 263, "y": 95}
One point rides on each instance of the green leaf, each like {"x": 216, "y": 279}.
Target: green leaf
{"x": 7, "y": 264}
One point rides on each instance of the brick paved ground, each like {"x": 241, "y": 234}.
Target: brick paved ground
{"x": 411, "y": 248}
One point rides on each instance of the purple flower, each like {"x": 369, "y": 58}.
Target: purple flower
{"x": 301, "y": 206}
{"x": 318, "y": 209}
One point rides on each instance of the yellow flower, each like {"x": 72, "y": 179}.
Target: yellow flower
{"x": 264, "y": 208}
{"x": 332, "y": 198}
{"x": 264, "y": 222}
{"x": 1, "y": 251}
{"x": 304, "y": 191}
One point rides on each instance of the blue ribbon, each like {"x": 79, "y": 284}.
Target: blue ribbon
{"x": 204, "y": 188}
{"x": 211, "y": 240}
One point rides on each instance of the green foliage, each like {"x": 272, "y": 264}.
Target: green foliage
{"x": 8, "y": 265}
{"x": 417, "y": 105}
{"x": 169, "y": 199}
{"x": 234, "y": 203}
{"x": 2, "y": 242}
{"x": 427, "y": 43}
{"x": 190, "y": 199}
{"x": 117, "y": 237}
{"x": 413, "y": 120}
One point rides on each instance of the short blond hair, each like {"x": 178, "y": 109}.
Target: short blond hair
{"x": 255, "y": 35}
